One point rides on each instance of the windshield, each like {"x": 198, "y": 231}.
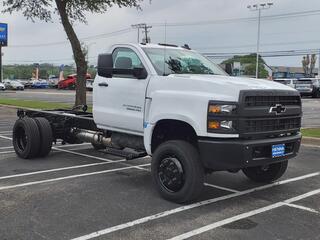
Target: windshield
{"x": 168, "y": 61}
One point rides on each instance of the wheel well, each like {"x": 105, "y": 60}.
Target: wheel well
{"x": 172, "y": 130}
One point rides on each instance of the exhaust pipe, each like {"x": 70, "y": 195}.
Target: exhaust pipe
{"x": 92, "y": 137}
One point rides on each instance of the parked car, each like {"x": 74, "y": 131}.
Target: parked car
{"x": 26, "y": 83}
{"x": 70, "y": 82}
{"x": 308, "y": 87}
{"x": 89, "y": 85}
{"x": 14, "y": 85}
{"x": 53, "y": 81}
{"x": 2, "y": 87}
{"x": 40, "y": 84}
{"x": 288, "y": 82}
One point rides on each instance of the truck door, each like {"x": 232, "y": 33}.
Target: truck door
{"x": 119, "y": 101}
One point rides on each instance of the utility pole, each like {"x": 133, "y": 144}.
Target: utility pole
{"x": 259, "y": 8}
{"x": 145, "y": 28}
{"x": 319, "y": 65}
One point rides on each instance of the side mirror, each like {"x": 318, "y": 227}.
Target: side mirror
{"x": 228, "y": 68}
{"x": 140, "y": 73}
{"x": 105, "y": 68}
{"x": 105, "y": 65}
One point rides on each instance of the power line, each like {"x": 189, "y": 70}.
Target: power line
{"x": 287, "y": 53}
{"x": 253, "y": 45}
{"x": 244, "y": 19}
{"x": 179, "y": 24}
{"x": 94, "y": 37}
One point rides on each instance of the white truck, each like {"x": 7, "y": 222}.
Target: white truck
{"x": 175, "y": 105}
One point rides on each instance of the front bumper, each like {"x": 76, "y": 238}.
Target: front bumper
{"x": 228, "y": 154}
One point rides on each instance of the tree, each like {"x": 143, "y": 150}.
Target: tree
{"x": 308, "y": 64}
{"x": 69, "y": 12}
{"x": 250, "y": 64}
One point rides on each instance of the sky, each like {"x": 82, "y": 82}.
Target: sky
{"x": 27, "y": 40}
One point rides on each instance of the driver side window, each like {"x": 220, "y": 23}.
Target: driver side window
{"x": 125, "y": 58}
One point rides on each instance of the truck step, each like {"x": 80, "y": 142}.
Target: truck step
{"x": 128, "y": 155}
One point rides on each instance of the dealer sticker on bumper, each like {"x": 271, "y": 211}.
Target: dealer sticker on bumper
{"x": 278, "y": 150}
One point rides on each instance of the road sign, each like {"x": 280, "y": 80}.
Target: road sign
{"x": 3, "y": 34}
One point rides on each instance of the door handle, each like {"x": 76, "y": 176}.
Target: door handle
{"x": 103, "y": 84}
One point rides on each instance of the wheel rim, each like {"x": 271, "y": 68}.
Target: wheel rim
{"x": 171, "y": 174}
{"x": 21, "y": 138}
{"x": 264, "y": 168}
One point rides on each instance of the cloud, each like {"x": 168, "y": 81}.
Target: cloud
{"x": 235, "y": 36}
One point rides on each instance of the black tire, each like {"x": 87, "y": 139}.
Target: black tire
{"x": 26, "y": 138}
{"x": 266, "y": 174}
{"x": 98, "y": 146}
{"x": 46, "y": 136}
{"x": 186, "y": 172}
{"x": 316, "y": 94}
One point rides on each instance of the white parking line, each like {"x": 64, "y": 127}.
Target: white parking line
{"x": 84, "y": 155}
{"x": 242, "y": 216}
{"x": 222, "y": 188}
{"x": 1, "y": 148}
{"x": 68, "y": 177}
{"x": 6, "y": 138}
{"x": 188, "y": 207}
{"x": 7, "y": 152}
{"x": 301, "y": 207}
{"x": 6, "y": 132}
{"x": 310, "y": 145}
{"x": 54, "y": 170}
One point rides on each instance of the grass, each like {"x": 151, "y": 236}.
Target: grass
{"x": 311, "y": 132}
{"x": 36, "y": 104}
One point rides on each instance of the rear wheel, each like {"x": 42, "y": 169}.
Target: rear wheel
{"x": 266, "y": 174}
{"x": 45, "y": 136}
{"x": 26, "y": 138}
{"x": 177, "y": 171}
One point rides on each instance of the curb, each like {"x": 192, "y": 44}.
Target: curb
{"x": 311, "y": 141}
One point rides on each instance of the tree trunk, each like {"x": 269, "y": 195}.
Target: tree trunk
{"x": 79, "y": 57}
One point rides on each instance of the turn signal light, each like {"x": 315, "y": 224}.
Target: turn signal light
{"x": 213, "y": 125}
{"x": 214, "y": 109}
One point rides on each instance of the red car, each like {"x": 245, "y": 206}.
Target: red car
{"x": 70, "y": 82}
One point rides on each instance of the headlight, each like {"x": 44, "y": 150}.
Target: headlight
{"x": 221, "y": 109}
{"x": 221, "y": 117}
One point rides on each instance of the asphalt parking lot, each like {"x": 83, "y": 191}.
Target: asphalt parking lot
{"x": 78, "y": 193}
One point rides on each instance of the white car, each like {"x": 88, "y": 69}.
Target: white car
{"x": 89, "y": 85}
{"x": 14, "y": 85}
{"x": 288, "y": 82}
{"x": 2, "y": 87}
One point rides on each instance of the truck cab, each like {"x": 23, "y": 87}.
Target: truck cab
{"x": 184, "y": 111}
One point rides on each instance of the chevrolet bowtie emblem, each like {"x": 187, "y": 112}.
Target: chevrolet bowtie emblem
{"x": 277, "y": 109}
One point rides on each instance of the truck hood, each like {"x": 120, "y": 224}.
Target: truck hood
{"x": 222, "y": 87}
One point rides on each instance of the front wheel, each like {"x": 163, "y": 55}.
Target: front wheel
{"x": 177, "y": 171}
{"x": 266, "y": 174}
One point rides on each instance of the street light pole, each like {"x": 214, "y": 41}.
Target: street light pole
{"x": 259, "y": 8}
{"x": 88, "y": 50}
